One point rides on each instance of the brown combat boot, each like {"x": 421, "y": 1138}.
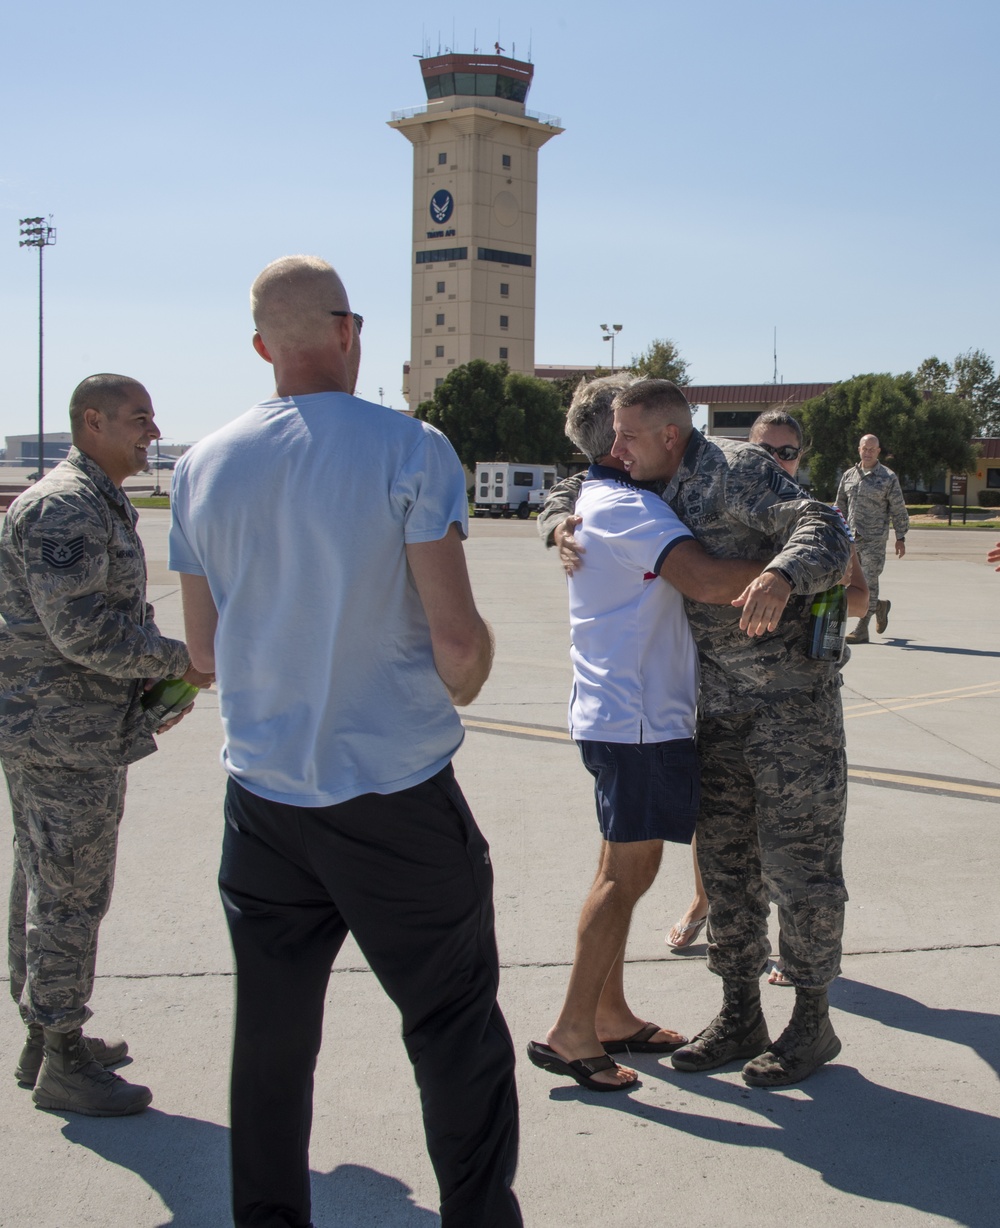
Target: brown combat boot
{"x": 72, "y": 1082}
{"x": 30, "y": 1061}
{"x": 807, "y": 1042}
{"x": 860, "y": 633}
{"x": 738, "y": 1031}
{"x": 882, "y": 616}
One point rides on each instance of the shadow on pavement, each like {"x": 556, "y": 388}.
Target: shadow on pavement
{"x": 895, "y": 642}
{"x": 977, "y": 1030}
{"x": 871, "y": 1141}
{"x": 186, "y": 1162}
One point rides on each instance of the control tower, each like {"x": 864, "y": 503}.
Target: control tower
{"x": 475, "y": 190}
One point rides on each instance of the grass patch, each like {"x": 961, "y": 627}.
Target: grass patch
{"x": 150, "y": 501}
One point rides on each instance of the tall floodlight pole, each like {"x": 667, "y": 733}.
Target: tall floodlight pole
{"x": 609, "y": 335}
{"x": 36, "y": 232}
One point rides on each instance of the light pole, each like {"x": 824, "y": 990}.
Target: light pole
{"x": 36, "y": 232}
{"x": 609, "y": 335}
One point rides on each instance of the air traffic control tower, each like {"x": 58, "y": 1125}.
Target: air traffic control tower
{"x": 475, "y": 188}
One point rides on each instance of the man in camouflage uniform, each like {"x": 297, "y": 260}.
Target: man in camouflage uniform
{"x": 77, "y": 641}
{"x": 770, "y": 736}
{"x": 869, "y": 497}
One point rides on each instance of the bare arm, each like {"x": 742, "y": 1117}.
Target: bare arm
{"x": 994, "y": 555}
{"x": 703, "y": 578}
{"x": 857, "y": 587}
{"x": 200, "y": 621}
{"x": 461, "y": 639}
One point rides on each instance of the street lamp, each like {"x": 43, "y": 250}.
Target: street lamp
{"x": 36, "y": 232}
{"x": 609, "y": 335}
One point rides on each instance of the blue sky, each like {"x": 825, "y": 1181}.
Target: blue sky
{"x": 828, "y": 167}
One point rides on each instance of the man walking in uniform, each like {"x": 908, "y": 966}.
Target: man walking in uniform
{"x": 77, "y": 641}
{"x": 344, "y": 629}
{"x": 870, "y": 499}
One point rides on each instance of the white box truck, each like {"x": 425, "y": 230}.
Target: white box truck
{"x": 503, "y": 489}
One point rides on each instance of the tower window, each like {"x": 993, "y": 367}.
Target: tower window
{"x": 442, "y": 159}
{"x": 438, "y": 383}
{"x": 506, "y": 162}
{"x": 439, "y": 351}
{"x": 503, "y": 351}
{"x": 504, "y": 289}
{"x": 504, "y": 321}
{"x": 439, "y": 318}
{"x": 440, "y": 288}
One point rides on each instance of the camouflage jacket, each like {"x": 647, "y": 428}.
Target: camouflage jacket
{"x": 869, "y": 499}
{"x": 739, "y": 504}
{"x": 77, "y": 636}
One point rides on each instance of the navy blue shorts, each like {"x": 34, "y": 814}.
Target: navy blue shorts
{"x": 645, "y": 792}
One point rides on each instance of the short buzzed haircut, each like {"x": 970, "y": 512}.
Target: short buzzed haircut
{"x": 104, "y": 392}
{"x": 775, "y": 417}
{"x": 293, "y": 298}
{"x": 590, "y": 417}
{"x": 657, "y": 396}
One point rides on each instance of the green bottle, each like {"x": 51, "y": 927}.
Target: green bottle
{"x": 828, "y": 624}
{"x": 169, "y": 697}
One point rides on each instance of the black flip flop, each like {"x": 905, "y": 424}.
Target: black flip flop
{"x": 581, "y": 1070}
{"x": 641, "y": 1043}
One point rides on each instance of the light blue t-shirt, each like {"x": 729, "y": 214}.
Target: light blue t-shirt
{"x": 298, "y": 514}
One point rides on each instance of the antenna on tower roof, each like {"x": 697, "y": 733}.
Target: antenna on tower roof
{"x": 530, "y": 36}
{"x": 775, "y": 353}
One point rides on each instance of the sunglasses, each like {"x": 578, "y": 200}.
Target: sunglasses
{"x": 786, "y": 452}
{"x": 358, "y": 320}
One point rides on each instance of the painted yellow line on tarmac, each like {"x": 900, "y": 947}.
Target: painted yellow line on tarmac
{"x": 877, "y": 777}
{"x": 924, "y": 783}
{"x": 928, "y": 699}
{"x": 523, "y": 731}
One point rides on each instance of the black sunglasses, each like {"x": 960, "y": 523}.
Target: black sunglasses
{"x": 358, "y": 320}
{"x": 786, "y": 452}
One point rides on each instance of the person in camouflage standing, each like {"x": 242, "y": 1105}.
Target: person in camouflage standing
{"x": 869, "y": 497}
{"x": 770, "y": 734}
{"x": 77, "y": 642}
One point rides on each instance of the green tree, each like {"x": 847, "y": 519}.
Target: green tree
{"x": 975, "y": 381}
{"x": 491, "y": 413}
{"x": 661, "y": 359}
{"x": 920, "y": 434}
{"x": 933, "y": 375}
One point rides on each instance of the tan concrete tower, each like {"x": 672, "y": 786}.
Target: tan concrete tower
{"x": 475, "y": 189}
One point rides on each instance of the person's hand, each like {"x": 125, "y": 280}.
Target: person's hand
{"x": 763, "y": 601}
{"x": 569, "y": 548}
{"x": 994, "y": 555}
{"x": 174, "y": 720}
{"x": 196, "y": 678}
{"x": 900, "y": 547}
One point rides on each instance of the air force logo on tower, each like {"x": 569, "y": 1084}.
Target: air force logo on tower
{"x": 442, "y": 205}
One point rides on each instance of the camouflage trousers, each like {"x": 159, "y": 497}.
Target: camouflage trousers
{"x": 771, "y": 827}
{"x": 871, "y": 555}
{"x": 65, "y": 844}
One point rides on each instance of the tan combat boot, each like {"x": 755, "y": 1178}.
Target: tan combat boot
{"x": 738, "y": 1031}
{"x": 72, "y": 1082}
{"x": 882, "y": 616}
{"x": 860, "y": 633}
{"x": 807, "y": 1042}
{"x": 30, "y": 1061}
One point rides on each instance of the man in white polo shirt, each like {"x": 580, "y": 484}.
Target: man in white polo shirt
{"x": 632, "y": 713}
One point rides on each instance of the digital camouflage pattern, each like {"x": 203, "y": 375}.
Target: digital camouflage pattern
{"x": 770, "y": 734}
{"x": 66, "y": 834}
{"x": 739, "y": 504}
{"x": 77, "y": 639}
{"x": 77, "y": 636}
{"x": 870, "y": 500}
{"x": 774, "y": 801}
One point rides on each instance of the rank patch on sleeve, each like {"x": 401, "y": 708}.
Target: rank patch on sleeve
{"x": 62, "y": 554}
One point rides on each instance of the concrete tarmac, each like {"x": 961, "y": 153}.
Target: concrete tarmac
{"x": 902, "y": 1130}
